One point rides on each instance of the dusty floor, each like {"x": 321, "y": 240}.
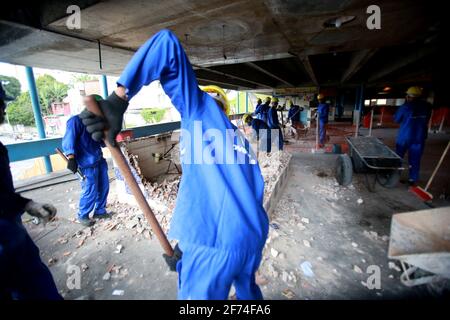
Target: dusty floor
{"x": 316, "y": 224}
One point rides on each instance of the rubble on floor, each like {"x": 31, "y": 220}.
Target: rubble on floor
{"x": 162, "y": 194}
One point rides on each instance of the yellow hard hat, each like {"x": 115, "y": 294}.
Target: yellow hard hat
{"x": 290, "y": 103}
{"x": 275, "y": 99}
{"x": 414, "y": 91}
{"x": 320, "y": 96}
{"x": 267, "y": 99}
{"x": 246, "y": 117}
{"x": 219, "y": 95}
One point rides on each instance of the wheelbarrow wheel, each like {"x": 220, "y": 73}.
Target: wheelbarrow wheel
{"x": 389, "y": 179}
{"x": 344, "y": 170}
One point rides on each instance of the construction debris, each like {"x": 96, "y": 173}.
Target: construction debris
{"x": 288, "y": 293}
{"x": 307, "y": 269}
{"x": 118, "y": 292}
{"x": 393, "y": 266}
{"x": 357, "y": 269}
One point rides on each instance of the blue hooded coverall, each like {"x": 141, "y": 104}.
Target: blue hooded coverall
{"x": 261, "y": 111}
{"x": 274, "y": 123}
{"x": 294, "y": 114}
{"x": 23, "y": 276}
{"x": 219, "y": 219}
{"x": 263, "y": 135}
{"x": 322, "y": 113}
{"x": 413, "y": 117}
{"x": 88, "y": 154}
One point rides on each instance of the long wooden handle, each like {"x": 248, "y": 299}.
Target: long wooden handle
{"x": 438, "y": 165}
{"x": 126, "y": 172}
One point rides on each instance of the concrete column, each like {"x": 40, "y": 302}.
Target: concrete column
{"x": 246, "y": 102}
{"x": 37, "y": 113}
{"x": 238, "y": 104}
{"x": 104, "y": 83}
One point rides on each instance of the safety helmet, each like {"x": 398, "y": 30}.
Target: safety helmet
{"x": 267, "y": 99}
{"x": 246, "y": 117}
{"x": 320, "y": 96}
{"x": 290, "y": 103}
{"x": 414, "y": 91}
{"x": 219, "y": 95}
{"x": 275, "y": 100}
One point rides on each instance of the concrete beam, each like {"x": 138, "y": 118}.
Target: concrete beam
{"x": 270, "y": 74}
{"x": 223, "y": 84}
{"x": 359, "y": 59}
{"x": 309, "y": 69}
{"x": 232, "y": 76}
{"x": 402, "y": 62}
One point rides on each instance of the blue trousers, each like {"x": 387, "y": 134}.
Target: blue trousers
{"x": 322, "y": 131}
{"x": 23, "y": 276}
{"x": 415, "y": 151}
{"x": 94, "y": 190}
{"x": 207, "y": 274}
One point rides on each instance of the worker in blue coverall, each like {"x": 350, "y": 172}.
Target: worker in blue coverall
{"x": 85, "y": 153}
{"x": 260, "y": 130}
{"x": 274, "y": 124}
{"x": 262, "y": 110}
{"x": 219, "y": 219}
{"x": 413, "y": 117}
{"x": 23, "y": 276}
{"x": 294, "y": 115}
{"x": 258, "y": 106}
{"x": 322, "y": 113}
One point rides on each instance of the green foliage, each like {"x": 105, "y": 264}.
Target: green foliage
{"x": 20, "y": 111}
{"x": 50, "y": 90}
{"x": 11, "y": 86}
{"x": 153, "y": 115}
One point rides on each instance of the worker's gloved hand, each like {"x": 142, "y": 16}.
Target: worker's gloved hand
{"x": 45, "y": 211}
{"x": 72, "y": 165}
{"x": 172, "y": 261}
{"x": 112, "y": 109}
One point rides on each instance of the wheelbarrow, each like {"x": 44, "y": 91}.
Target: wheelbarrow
{"x": 370, "y": 156}
{"x": 420, "y": 240}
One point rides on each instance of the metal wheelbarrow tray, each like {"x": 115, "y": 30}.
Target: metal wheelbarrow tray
{"x": 370, "y": 156}
{"x": 421, "y": 240}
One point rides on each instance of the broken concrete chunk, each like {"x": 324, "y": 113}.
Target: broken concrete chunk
{"x": 360, "y": 201}
{"x": 284, "y": 276}
{"x": 306, "y": 243}
{"x": 357, "y": 269}
{"x": 305, "y": 220}
{"x": 107, "y": 276}
{"x": 288, "y": 293}
{"x": 354, "y": 245}
{"x": 306, "y": 268}
{"x": 273, "y": 252}
{"x": 118, "y": 292}
{"x": 393, "y": 266}
{"x": 119, "y": 248}
{"x": 84, "y": 267}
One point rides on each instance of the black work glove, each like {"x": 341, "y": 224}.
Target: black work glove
{"x": 172, "y": 261}
{"x": 113, "y": 109}
{"x": 72, "y": 165}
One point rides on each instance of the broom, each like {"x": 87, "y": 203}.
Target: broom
{"x": 423, "y": 193}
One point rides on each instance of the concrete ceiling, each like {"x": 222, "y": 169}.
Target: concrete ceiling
{"x": 237, "y": 44}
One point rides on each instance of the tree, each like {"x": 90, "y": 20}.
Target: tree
{"x": 11, "y": 86}
{"x": 50, "y": 90}
{"x": 153, "y": 115}
{"x": 20, "y": 111}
